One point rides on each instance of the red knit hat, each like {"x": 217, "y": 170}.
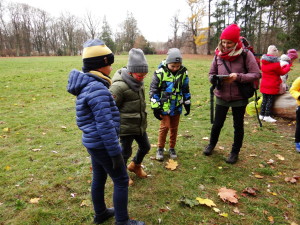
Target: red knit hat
{"x": 232, "y": 33}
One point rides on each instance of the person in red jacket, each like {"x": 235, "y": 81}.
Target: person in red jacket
{"x": 270, "y": 82}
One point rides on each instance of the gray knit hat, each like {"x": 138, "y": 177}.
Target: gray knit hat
{"x": 137, "y": 62}
{"x": 174, "y": 56}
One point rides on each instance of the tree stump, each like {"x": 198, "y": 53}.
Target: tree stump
{"x": 285, "y": 106}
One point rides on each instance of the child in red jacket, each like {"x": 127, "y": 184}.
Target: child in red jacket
{"x": 270, "y": 82}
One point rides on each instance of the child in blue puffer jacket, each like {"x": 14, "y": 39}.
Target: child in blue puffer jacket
{"x": 99, "y": 119}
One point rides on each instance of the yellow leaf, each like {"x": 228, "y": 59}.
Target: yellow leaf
{"x": 205, "y": 201}
{"x": 205, "y": 138}
{"x": 7, "y": 168}
{"x": 258, "y": 176}
{"x": 171, "y": 164}
{"x": 34, "y": 200}
{"x": 216, "y": 210}
{"x": 271, "y": 219}
{"x": 224, "y": 214}
{"x": 280, "y": 157}
{"x": 6, "y": 129}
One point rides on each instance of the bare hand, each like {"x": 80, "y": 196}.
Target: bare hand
{"x": 232, "y": 77}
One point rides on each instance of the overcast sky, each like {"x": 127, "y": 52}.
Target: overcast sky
{"x": 153, "y": 16}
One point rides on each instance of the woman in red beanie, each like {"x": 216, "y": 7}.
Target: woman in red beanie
{"x": 229, "y": 60}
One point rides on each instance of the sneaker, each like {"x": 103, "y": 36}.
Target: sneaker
{"x": 172, "y": 153}
{"x": 160, "y": 154}
{"x": 297, "y": 146}
{"x": 261, "y": 117}
{"x": 137, "y": 169}
{"x": 131, "y": 222}
{"x": 102, "y": 217}
{"x": 208, "y": 150}
{"x": 232, "y": 158}
{"x": 269, "y": 119}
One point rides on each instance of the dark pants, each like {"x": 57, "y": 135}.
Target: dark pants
{"x": 238, "y": 125}
{"x": 267, "y": 104}
{"x": 102, "y": 165}
{"x": 143, "y": 143}
{"x": 297, "y": 133}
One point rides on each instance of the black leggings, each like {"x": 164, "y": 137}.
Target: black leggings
{"x": 238, "y": 124}
{"x": 267, "y": 104}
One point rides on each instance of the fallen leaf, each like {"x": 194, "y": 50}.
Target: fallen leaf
{"x": 271, "y": 219}
{"x": 237, "y": 211}
{"x": 272, "y": 193}
{"x": 36, "y": 149}
{"x": 6, "y": 129}
{"x": 163, "y": 210}
{"x": 189, "y": 202}
{"x": 7, "y": 168}
{"x": 34, "y": 200}
{"x": 63, "y": 127}
{"x": 250, "y": 191}
{"x": 280, "y": 157}
{"x": 224, "y": 214}
{"x": 228, "y": 195}
{"x": 293, "y": 223}
{"x": 290, "y": 179}
{"x": 216, "y": 210}
{"x": 271, "y": 161}
{"x": 253, "y": 155}
{"x": 258, "y": 176}
{"x": 171, "y": 164}
{"x": 205, "y": 201}
{"x": 221, "y": 147}
{"x": 205, "y": 138}
{"x": 85, "y": 203}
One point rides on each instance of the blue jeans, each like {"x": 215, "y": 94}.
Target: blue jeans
{"x": 102, "y": 165}
{"x": 143, "y": 143}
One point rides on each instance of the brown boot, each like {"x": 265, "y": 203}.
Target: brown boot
{"x": 130, "y": 182}
{"x": 137, "y": 169}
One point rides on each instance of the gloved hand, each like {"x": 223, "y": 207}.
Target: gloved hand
{"x": 157, "y": 112}
{"x": 187, "y": 109}
{"x": 117, "y": 161}
{"x": 215, "y": 80}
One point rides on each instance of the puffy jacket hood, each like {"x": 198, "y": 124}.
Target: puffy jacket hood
{"x": 267, "y": 59}
{"x": 77, "y": 81}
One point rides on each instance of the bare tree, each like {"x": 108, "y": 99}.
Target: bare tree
{"x": 92, "y": 24}
{"x": 175, "y": 24}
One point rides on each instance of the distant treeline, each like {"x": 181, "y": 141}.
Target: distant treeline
{"x": 29, "y": 31}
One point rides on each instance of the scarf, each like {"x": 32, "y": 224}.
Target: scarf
{"x": 130, "y": 81}
{"x": 101, "y": 75}
{"x": 230, "y": 55}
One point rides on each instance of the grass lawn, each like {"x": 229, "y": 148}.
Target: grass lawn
{"x": 45, "y": 171}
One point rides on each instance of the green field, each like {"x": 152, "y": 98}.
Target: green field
{"x": 42, "y": 158}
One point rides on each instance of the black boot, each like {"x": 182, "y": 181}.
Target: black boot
{"x": 232, "y": 158}
{"x": 131, "y": 222}
{"x": 102, "y": 217}
{"x": 208, "y": 150}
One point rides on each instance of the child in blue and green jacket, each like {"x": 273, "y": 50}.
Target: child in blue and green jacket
{"x": 169, "y": 91}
